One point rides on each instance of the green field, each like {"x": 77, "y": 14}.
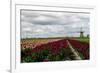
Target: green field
{"x": 87, "y": 40}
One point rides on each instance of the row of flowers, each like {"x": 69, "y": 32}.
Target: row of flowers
{"x": 54, "y": 46}
{"x": 80, "y": 46}
{"x": 52, "y": 51}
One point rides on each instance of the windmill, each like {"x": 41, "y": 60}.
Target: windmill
{"x": 79, "y": 31}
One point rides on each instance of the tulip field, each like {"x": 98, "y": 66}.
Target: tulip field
{"x": 53, "y": 49}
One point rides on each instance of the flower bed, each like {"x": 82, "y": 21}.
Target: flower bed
{"x": 80, "y": 46}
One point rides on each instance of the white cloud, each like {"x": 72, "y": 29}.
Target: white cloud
{"x": 52, "y": 24}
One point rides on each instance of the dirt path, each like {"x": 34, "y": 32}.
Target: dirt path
{"x": 77, "y": 57}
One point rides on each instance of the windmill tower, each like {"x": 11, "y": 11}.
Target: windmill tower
{"x": 81, "y": 33}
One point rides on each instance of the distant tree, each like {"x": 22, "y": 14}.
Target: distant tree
{"x": 87, "y": 35}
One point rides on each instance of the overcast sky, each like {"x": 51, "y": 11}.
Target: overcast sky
{"x": 45, "y": 24}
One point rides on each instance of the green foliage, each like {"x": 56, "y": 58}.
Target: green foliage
{"x": 45, "y": 54}
{"x": 33, "y": 57}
